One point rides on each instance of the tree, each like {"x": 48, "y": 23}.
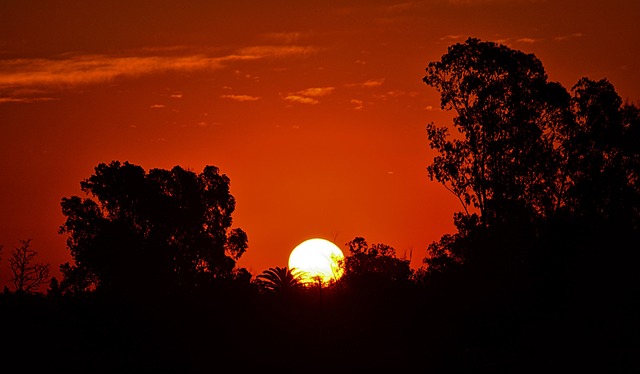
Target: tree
{"x": 279, "y": 280}
{"x": 27, "y": 275}
{"x": 504, "y": 161}
{"x": 159, "y": 230}
{"x": 507, "y": 121}
{"x": 545, "y": 176}
{"x": 374, "y": 265}
{"x": 603, "y": 154}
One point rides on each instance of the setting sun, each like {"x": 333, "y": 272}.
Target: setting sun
{"x": 317, "y": 259}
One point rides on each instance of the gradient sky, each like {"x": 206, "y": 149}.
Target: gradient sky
{"x": 315, "y": 110}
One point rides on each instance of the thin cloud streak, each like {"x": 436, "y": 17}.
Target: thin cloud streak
{"x": 240, "y": 98}
{"x": 370, "y": 83}
{"x": 25, "y": 99}
{"x": 301, "y": 99}
{"x": 561, "y": 38}
{"x": 309, "y": 95}
{"x": 316, "y": 91}
{"x": 75, "y": 70}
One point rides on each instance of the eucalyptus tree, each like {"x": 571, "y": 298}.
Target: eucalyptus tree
{"x": 160, "y": 230}
{"x": 535, "y": 167}
{"x": 502, "y": 148}
{"x": 502, "y": 157}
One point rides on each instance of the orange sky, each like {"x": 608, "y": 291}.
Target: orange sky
{"x": 315, "y": 110}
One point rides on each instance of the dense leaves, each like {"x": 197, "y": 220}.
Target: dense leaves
{"x": 374, "y": 266}
{"x": 525, "y": 150}
{"x": 156, "y": 230}
{"x": 507, "y": 119}
{"x": 547, "y": 178}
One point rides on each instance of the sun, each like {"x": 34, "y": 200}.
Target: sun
{"x": 317, "y": 260}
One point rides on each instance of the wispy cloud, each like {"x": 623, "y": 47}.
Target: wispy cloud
{"x": 309, "y": 95}
{"x": 86, "y": 69}
{"x": 358, "y": 104}
{"x": 73, "y": 70}
{"x": 240, "y": 98}
{"x": 561, "y": 38}
{"x": 370, "y": 83}
{"x": 316, "y": 91}
{"x": 526, "y": 40}
{"x": 25, "y": 99}
{"x": 273, "y": 51}
{"x": 451, "y": 37}
{"x": 301, "y": 99}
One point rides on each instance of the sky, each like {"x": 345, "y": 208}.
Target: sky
{"x": 315, "y": 110}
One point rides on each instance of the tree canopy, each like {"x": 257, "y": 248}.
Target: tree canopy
{"x": 508, "y": 117}
{"x": 374, "y": 265}
{"x": 543, "y": 174}
{"x": 157, "y": 230}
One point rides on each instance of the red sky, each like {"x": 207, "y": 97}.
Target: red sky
{"x": 315, "y": 110}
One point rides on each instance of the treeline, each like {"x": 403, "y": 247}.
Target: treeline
{"x": 540, "y": 271}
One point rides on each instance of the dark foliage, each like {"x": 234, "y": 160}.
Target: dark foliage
{"x": 150, "y": 232}
{"x": 549, "y": 236}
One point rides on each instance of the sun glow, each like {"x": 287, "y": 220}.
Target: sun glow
{"x": 317, "y": 260}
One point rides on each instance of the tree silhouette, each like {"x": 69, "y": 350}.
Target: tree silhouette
{"x": 154, "y": 231}
{"x": 374, "y": 266}
{"x": 603, "y": 154}
{"x": 280, "y": 280}
{"x": 508, "y": 117}
{"x": 27, "y": 275}
{"x": 549, "y": 182}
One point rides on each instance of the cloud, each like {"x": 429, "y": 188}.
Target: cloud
{"x": 83, "y": 69}
{"x": 25, "y": 99}
{"x": 316, "y": 91}
{"x": 359, "y": 104}
{"x": 370, "y": 83}
{"x": 562, "y": 38}
{"x": 526, "y": 40}
{"x": 301, "y": 99}
{"x": 309, "y": 95}
{"x": 240, "y": 98}
{"x": 87, "y": 69}
{"x": 451, "y": 37}
{"x": 274, "y": 51}
{"x": 157, "y": 106}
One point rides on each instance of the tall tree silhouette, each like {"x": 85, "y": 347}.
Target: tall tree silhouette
{"x": 503, "y": 161}
{"x": 545, "y": 176}
{"x": 156, "y": 230}
{"x": 507, "y": 117}
{"x": 603, "y": 153}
